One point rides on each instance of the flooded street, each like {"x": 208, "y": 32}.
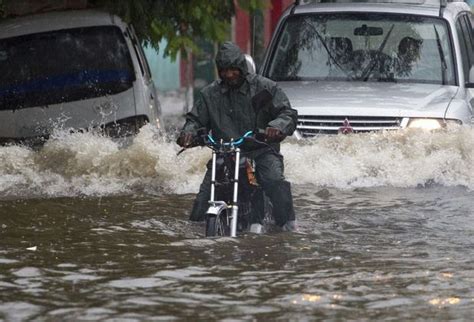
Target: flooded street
{"x": 90, "y": 230}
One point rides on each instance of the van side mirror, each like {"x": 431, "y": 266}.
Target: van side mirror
{"x": 470, "y": 81}
{"x": 250, "y": 64}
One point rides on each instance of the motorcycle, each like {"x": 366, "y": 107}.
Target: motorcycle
{"x": 237, "y": 203}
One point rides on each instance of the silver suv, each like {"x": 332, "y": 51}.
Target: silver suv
{"x": 361, "y": 66}
{"x": 73, "y": 69}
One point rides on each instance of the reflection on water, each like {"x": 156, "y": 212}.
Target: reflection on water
{"x": 92, "y": 231}
{"x": 366, "y": 253}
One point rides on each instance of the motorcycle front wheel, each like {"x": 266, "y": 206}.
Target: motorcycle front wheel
{"x": 217, "y": 225}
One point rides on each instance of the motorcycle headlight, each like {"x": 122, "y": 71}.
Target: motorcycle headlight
{"x": 430, "y": 124}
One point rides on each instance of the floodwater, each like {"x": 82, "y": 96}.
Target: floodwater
{"x": 90, "y": 230}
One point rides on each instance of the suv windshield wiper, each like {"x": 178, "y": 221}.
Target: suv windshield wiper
{"x": 321, "y": 39}
{"x": 368, "y": 71}
{"x": 444, "y": 65}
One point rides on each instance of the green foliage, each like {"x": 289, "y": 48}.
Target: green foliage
{"x": 253, "y": 5}
{"x": 2, "y": 9}
{"x": 181, "y": 22}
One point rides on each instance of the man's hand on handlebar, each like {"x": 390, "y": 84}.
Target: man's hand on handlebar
{"x": 185, "y": 140}
{"x": 270, "y": 135}
{"x": 273, "y": 135}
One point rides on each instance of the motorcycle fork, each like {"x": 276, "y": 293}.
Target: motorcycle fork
{"x": 213, "y": 177}
{"x": 235, "y": 207}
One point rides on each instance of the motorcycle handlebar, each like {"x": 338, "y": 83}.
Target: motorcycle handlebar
{"x": 234, "y": 143}
{"x": 257, "y": 136}
{"x": 205, "y": 139}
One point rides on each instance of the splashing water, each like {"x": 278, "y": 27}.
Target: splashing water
{"x": 90, "y": 164}
{"x": 395, "y": 251}
{"x": 399, "y": 159}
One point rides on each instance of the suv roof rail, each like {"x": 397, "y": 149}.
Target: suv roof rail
{"x": 441, "y": 3}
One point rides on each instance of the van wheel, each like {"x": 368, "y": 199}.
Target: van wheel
{"x": 140, "y": 121}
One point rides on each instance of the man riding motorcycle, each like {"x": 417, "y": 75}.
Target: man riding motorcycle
{"x": 233, "y": 105}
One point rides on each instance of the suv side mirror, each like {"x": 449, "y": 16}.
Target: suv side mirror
{"x": 250, "y": 64}
{"x": 470, "y": 81}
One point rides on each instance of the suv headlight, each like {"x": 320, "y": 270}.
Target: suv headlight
{"x": 431, "y": 124}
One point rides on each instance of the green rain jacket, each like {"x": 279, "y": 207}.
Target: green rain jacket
{"x": 229, "y": 113}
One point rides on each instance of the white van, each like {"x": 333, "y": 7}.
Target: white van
{"x": 74, "y": 70}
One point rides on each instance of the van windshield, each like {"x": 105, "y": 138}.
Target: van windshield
{"x": 63, "y": 66}
{"x": 364, "y": 47}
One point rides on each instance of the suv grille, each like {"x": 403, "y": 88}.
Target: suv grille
{"x": 311, "y": 125}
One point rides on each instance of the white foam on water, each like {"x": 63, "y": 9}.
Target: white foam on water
{"x": 90, "y": 164}
{"x": 400, "y": 159}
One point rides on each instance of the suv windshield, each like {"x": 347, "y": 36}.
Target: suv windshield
{"x": 363, "y": 47}
{"x": 62, "y": 66}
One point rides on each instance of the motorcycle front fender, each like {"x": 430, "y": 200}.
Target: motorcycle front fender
{"x": 216, "y": 209}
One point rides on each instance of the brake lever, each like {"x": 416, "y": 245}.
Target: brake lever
{"x": 181, "y": 151}
{"x": 197, "y": 141}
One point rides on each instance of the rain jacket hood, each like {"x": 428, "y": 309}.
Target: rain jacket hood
{"x": 230, "y": 56}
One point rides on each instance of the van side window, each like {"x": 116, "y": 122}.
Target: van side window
{"x": 144, "y": 67}
{"x": 88, "y": 62}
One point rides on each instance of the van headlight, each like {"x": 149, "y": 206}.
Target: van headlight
{"x": 125, "y": 127}
{"x": 431, "y": 124}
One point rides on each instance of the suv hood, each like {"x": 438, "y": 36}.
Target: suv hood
{"x": 374, "y": 99}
